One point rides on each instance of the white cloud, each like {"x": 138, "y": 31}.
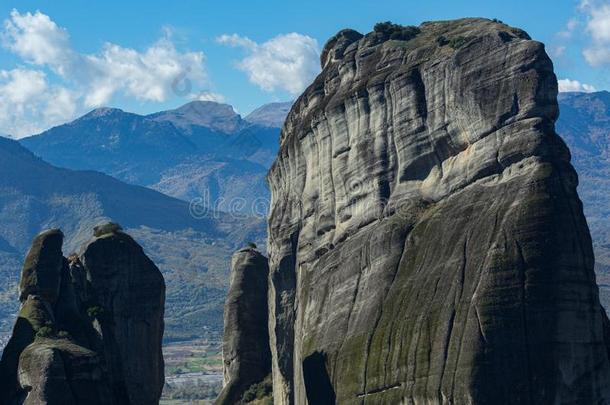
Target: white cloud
{"x": 597, "y": 55}
{"x": 29, "y": 104}
{"x": 21, "y": 86}
{"x": 567, "y": 85}
{"x": 146, "y": 76}
{"x": 569, "y": 29}
{"x": 287, "y": 62}
{"x": 37, "y": 39}
{"x": 557, "y": 51}
{"x": 237, "y": 40}
{"x": 88, "y": 80}
{"x": 598, "y": 25}
{"x": 596, "y": 14}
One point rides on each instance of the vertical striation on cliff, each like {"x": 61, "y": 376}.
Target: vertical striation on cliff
{"x": 426, "y": 241}
{"x": 89, "y": 329}
{"x": 245, "y": 352}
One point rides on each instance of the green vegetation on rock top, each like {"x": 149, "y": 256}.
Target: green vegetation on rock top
{"x": 396, "y": 31}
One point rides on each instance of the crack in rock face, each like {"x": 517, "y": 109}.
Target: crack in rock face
{"x": 426, "y": 241}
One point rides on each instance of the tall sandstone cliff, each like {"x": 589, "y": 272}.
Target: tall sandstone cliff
{"x": 89, "y": 329}
{"x": 426, "y": 242}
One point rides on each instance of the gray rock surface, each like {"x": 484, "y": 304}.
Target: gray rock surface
{"x": 427, "y": 244}
{"x": 131, "y": 292}
{"x": 245, "y": 351}
{"x": 95, "y": 337}
{"x": 41, "y": 274}
{"x": 60, "y": 372}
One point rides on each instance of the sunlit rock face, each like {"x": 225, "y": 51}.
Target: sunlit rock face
{"x": 426, "y": 242}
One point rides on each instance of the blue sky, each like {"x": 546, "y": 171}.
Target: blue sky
{"x": 61, "y": 59}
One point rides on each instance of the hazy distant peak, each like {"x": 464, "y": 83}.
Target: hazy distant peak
{"x": 103, "y": 112}
{"x": 270, "y": 115}
{"x": 566, "y": 95}
{"x": 217, "y": 116}
{"x": 207, "y": 107}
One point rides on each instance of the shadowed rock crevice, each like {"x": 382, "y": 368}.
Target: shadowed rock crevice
{"x": 318, "y": 386}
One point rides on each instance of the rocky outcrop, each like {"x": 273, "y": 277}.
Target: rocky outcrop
{"x": 426, "y": 241}
{"x": 245, "y": 352}
{"x": 41, "y": 274}
{"x": 89, "y": 328}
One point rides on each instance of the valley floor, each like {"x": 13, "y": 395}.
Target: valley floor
{"x": 193, "y": 372}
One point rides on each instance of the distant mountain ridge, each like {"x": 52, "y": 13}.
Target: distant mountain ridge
{"x": 215, "y": 116}
{"x": 584, "y": 123}
{"x": 193, "y": 253}
{"x": 270, "y": 115}
{"x": 200, "y": 149}
{"x": 175, "y": 153}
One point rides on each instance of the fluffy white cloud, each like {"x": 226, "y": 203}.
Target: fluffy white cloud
{"x": 237, "y": 40}
{"x": 37, "y": 39}
{"x": 88, "y": 80}
{"x": 29, "y": 104}
{"x": 287, "y": 62}
{"x": 567, "y": 85}
{"x": 147, "y": 76}
{"x": 599, "y": 23}
{"x": 596, "y": 13}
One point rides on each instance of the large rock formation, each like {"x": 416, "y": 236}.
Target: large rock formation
{"x": 89, "y": 328}
{"x": 427, "y": 244}
{"x": 245, "y": 352}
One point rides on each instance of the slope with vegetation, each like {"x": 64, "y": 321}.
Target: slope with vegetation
{"x": 200, "y": 150}
{"x": 193, "y": 253}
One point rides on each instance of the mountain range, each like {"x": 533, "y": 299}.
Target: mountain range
{"x": 192, "y": 251}
{"x": 200, "y": 150}
{"x": 584, "y": 123}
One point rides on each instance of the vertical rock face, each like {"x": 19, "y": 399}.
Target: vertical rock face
{"x": 130, "y": 290}
{"x": 245, "y": 352}
{"x": 89, "y": 328}
{"x": 41, "y": 274}
{"x": 426, "y": 242}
